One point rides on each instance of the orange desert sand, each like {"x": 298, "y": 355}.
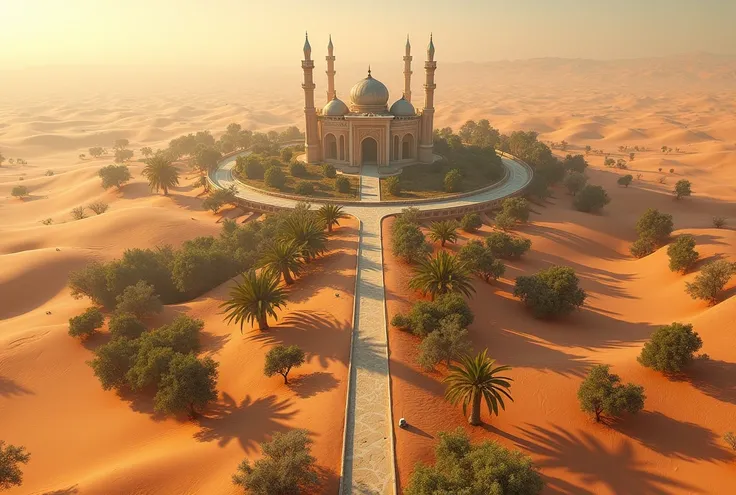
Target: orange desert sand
{"x": 88, "y": 441}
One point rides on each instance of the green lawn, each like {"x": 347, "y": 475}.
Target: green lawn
{"x": 427, "y": 180}
{"x": 323, "y": 187}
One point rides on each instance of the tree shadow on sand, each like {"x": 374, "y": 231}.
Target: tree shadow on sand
{"x": 714, "y": 378}
{"x": 306, "y": 386}
{"x": 10, "y": 388}
{"x": 249, "y": 423}
{"x": 64, "y": 491}
{"x": 583, "y": 454}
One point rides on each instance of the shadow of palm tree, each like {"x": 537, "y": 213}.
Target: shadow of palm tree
{"x": 249, "y": 423}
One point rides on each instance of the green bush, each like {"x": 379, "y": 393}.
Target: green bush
{"x": 453, "y": 180}
{"x": 709, "y": 283}
{"x": 507, "y": 247}
{"x": 447, "y": 343}
{"x": 719, "y": 222}
{"x": 140, "y": 300}
{"x": 251, "y": 166}
{"x": 655, "y": 226}
{"x": 10, "y": 457}
{"x": 342, "y": 185}
{"x": 575, "y": 182}
{"x": 114, "y": 176}
{"x": 19, "y": 192}
{"x": 464, "y": 468}
{"x": 125, "y": 325}
{"x": 86, "y": 324}
{"x": 670, "y": 348}
{"x": 297, "y": 169}
{"x": 393, "y": 184}
{"x": 591, "y": 199}
{"x": 286, "y": 155}
{"x": 642, "y": 247}
{"x": 471, "y": 222}
{"x": 682, "y": 253}
{"x": 601, "y": 392}
{"x": 516, "y": 208}
{"x": 275, "y": 177}
{"x": 504, "y": 221}
{"x": 217, "y": 198}
{"x": 426, "y": 316}
{"x": 188, "y": 385}
{"x": 479, "y": 260}
{"x": 304, "y": 188}
{"x": 625, "y": 180}
{"x": 281, "y": 359}
{"x": 683, "y": 188}
{"x": 551, "y": 292}
{"x": 408, "y": 242}
{"x": 329, "y": 171}
{"x": 112, "y": 362}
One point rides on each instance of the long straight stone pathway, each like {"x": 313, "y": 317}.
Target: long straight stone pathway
{"x": 368, "y": 456}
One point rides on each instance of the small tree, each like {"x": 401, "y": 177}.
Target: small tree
{"x": 447, "y": 343}
{"x": 112, "y": 362}
{"x": 575, "y": 163}
{"x": 19, "y": 192}
{"x": 146, "y": 151}
{"x": 601, "y": 392}
{"x": 189, "y": 385}
{"x": 443, "y": 232}
{"x": 220, "y": 197}
{"x": 670, "y": 348}
{"x": 682, "y": 253}
{"x": 86, "y": 324}
{"x": 408, "y": 242}
{"x": 78, "y": 213}
{"x": 506, "y": 247}
{"x": 591, "y": 199}
{"x": 331, "y": 214}
{"x": 281, "y": 359}
{"x": 644, "y": 246}
{"x": 464, "y": 468}
{"x": 453, "y": 180}
{"x": 96, "y": 152}
{"x": 304, "y": 188}
{"x": 114, "y": 176}
{"x": 479, "y": 260}
{"x": 682, "y": 189}
{"x": 551, "y": 292}
{"x": 471, "y": 222}
{"x": 709, "y": 283}
{"x": 286, "y": 468}
{"x": 441, "y": 274}
{"x": 655, "y": 226}
{"x": 719, "y": 222}
{"x": 140, "y": 300}
{"x": 286, "y": 155}
{"x": 504, "y": 221}
{"x": 632, "y": 156}
{"x": 393, "y": 185}
{"x": 516, "y": 208}
{"x": 329, "y": 171}
{"x": 98, "y": 207}
{"x": 275, "y": 177}
{"x": 297, "y": 169}
{"x": 10, "y": 458}
{"x": 575, "y": 181}
{"x": 125, "y": 325}
{"x": 122, "y": 156}
{"x": 342, "y": 185}
{"x": 625, "y": 180}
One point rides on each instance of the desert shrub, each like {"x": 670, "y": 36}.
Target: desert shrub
{"x": 149, "y": 366}
{"x": 114, "y": 176}
{"x": 446, "y": 343}
{"x": 641, "y": 247}
{"x": 47, "y": 221}
{"x": 625, "y": 180}
{"x": 479, "y": 260}
{"x": 683, "y": 188}
{"x": 287, "y": 467}
{"x": 709, "y": 283}
{"x": 201, "y": 264}
{"x": 287, "y": 154}
{"x": 86, "y": 324}
{"x": 78, "y": 213}
{"x": 280, "y": 359}
{"x": 251, "y": 166}
{"x": 140, "y": 300}
{"x": 591, "y": 199}
{"x": 96, "y": 152}
{"x": 408, "y": 242}
{"x": 682, "y": 253}
{"x": 575, "y": 163}
{"x": 425, "y": 316}
{"x": 217, "y": 198}
{"x": 484, "y": 468}
{"x": 122, "y": 155}
{"x": 670, "y": 348}
{"x": 471, "y": 222}
{"x": 719, "y": 222}
{"x": 10, "y": 458}
{"x": 342, "y": 185}
{"x": 506, "y": 247}
{"x": 188, "y": 385}
{"x": 730, "y": 439}
{"x": 297, "y": 169}
{"x": 504, "y": 221}
{"x": 125, "y": 325}
{"x": 575, "y": 181}
{"x": 655, "y": 226}
{"x": 275, "y": 177}
{"x": 393, "y": 184}
{"x": 98, "y": 207}
{"x": 516, "y": 208}
{"x": 453, "y": 180}
{"x": 551, "y": 292}
{"x": 329, "y": 171}
{"x": 19, "y": 192}
{"x": 112, "y": 362}
{"x": 304, "y": 188}
{"x": 601, "y": 392}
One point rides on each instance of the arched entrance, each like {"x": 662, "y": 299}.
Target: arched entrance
{"x": 368, "y": 151}
{"x": 330, "y": 147}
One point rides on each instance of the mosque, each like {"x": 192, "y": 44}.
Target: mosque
{"x": 367, "y": 131}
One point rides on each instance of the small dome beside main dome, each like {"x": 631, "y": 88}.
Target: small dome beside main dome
{"x": 335, "y": 108}
{"x": 369, "y": 92}
{"x": 402, "y": 108}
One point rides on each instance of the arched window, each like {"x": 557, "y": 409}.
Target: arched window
{"x": 342, "y": 148}
{"x": 330, "y": 147}
{"x": 407, "y": 147}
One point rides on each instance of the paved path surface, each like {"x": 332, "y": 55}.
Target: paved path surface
{"x": 368, "y": 463}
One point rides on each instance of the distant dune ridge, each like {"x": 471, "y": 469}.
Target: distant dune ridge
{"x": 87, "y": 441}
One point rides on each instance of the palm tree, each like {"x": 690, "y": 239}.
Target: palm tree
{"x": 476, "y": 378}
{"x": 255, "y": 298}
{"x": 304, "y": 229}
{"x": 441, "y": 274}
{"x": 161, "y": 173}
{"x": 331, "y": 214}
{"x": 203, "y": 182}
{"x": 443, "y": 231}
{"x": 284, "y": 258}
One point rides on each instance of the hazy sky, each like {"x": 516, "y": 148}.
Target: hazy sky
{"x": 270, "y": 32}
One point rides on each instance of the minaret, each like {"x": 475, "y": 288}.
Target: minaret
{"x": 311, "y": 139}
{"x": 407, "y": 71}
{"x": 330, "y": 71}
{"x": 427, "y": 133}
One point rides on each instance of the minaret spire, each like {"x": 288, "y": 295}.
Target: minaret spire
{"x": 427, "y": 129}
{"x": 330, "y": 71}
{"x": 311, "y": 137}
{"x": 407, "y": 70}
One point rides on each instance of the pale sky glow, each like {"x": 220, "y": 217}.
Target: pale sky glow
{"x": 218, "y": 32}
